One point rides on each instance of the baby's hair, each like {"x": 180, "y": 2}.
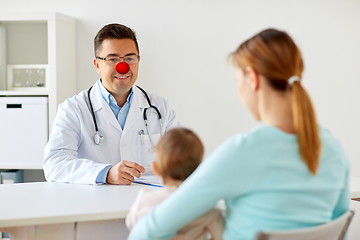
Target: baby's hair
{"x": 178, "y": 153}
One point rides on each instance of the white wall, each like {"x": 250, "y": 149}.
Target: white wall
{"x": 184, "y": 46}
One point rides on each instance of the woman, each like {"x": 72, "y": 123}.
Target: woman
{"x": 288, "y": 173}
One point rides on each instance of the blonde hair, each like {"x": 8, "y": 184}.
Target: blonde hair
{"x": 274, "y": 55}
{"x": 178, "y": 154}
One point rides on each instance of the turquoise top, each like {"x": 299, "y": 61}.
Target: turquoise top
{"x": 265, "y": 184}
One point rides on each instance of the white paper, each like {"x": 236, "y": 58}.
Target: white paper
{"x": 150, "y": 179}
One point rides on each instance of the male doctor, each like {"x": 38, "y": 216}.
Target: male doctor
{"x": 99, "y": 135}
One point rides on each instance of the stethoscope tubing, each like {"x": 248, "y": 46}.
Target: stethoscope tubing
{"x": 98, "y": 137}
{"x": 92, "y": 110}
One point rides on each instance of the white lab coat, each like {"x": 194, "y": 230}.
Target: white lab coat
{"x": 71, "y": 154}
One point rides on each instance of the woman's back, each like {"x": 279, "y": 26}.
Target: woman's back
{"x": 276, "y": 189}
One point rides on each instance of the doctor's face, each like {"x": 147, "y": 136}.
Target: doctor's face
{"x": 117, "y": 84}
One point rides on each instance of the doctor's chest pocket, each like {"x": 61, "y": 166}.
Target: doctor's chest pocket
{"x": 146, "y": 149}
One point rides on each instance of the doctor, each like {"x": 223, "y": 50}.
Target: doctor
{"x": 107, "y": 134}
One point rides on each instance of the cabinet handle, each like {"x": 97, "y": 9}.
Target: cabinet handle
{"x": 13, "y": 105}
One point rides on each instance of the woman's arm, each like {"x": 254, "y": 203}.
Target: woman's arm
{"x": 216, "y": 178}
{"x": 343, "y": 203}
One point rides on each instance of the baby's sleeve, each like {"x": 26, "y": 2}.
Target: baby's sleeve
{"x": 133, "y": 215}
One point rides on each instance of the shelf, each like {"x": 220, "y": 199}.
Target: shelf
{"x": 24, "y": 93}
{"x": 35, "y": 40}
{"x": 34, "y": 16}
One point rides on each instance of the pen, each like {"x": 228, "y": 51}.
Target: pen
{"x": 141, "y": 133}
{"x": 149, "y": 184}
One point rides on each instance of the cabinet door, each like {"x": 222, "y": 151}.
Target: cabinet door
{"x": 23, "y": 132}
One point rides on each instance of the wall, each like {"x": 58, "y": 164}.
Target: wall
{"x": 184, "y": 47}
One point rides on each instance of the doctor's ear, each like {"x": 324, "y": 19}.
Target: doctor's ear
{"x": 253, "y": 78}
{"x": 97, "y": 65}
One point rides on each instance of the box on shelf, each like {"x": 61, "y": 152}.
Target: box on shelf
{"x": 27, "y": 77}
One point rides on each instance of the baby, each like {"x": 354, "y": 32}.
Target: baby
{"x": 178, "y": 154}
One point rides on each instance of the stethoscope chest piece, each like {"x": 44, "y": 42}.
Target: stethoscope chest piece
{"x": 97, "y": 138}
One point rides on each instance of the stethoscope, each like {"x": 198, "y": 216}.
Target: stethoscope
{"x": 98, "y": 137}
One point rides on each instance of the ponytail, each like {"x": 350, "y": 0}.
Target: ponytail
{"x": 306, "y": 127}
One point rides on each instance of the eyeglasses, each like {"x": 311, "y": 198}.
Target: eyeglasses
{"x": 113, "y": 60}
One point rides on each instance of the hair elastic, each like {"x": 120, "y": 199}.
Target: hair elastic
{"x": 293, "y": 79}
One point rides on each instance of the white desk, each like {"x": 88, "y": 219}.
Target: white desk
{"x": 57, "y": 211}
{"x": 31, "y": 208}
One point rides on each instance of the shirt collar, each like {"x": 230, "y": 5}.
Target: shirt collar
{"x": 106, "y": 95}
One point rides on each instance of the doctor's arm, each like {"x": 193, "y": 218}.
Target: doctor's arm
{"x": 61, "y": 163}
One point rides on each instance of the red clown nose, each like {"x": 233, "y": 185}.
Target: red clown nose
{"x": 122, "y": 67}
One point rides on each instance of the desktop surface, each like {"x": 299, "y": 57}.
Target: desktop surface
{"x": 48, "y": 203}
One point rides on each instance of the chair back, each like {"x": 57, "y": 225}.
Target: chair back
{"x": 333, "y": 230}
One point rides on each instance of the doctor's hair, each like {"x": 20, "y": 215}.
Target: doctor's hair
{"x": 178, "y": 153}
{"x": 274, "y": 55}
{"x": 114, "y": 31}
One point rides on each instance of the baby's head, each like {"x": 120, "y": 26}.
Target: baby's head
{"x": 178, "y": 153}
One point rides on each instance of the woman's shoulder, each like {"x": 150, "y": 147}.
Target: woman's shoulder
{"x": 261, "y": 133}
{"x": 241, "y": 144}
{"x": 331, "y": 146}
{"x": 327, "y": 135}
{"x": 328, "y": 139}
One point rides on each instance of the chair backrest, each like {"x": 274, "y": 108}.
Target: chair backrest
{"x": 334, "y": 230}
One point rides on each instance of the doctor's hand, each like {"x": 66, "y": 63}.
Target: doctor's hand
{"x": 124, "y": 172}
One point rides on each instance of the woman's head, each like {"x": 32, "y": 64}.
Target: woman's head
{"x": 178, "y": 154}
{"x": 273, "y": 56}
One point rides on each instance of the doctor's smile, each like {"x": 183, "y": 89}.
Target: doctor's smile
{"x": 122, "y": 77}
